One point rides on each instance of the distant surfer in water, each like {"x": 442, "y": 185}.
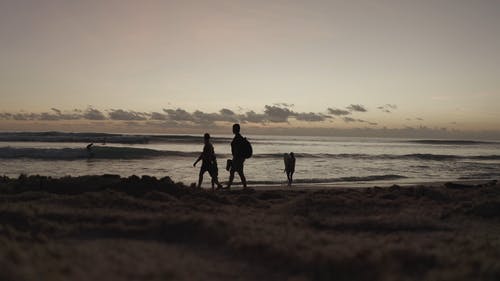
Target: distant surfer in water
{"x": 90, "y": 154}
{"x": 289, "y": 160}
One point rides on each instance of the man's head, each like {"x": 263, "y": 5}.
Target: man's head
{"x": 236, "y": 129}
{"x": 206, "y": 137}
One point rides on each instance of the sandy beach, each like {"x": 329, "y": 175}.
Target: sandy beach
{"x": 112, "y": 228}
{"x": 116, "y": 117}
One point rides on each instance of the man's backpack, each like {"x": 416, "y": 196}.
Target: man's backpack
{"x": 246, "y": 148}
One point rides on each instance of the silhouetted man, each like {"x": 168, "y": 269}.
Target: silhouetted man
{"x": 238, "y": 157}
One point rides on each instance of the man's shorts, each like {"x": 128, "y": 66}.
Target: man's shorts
{"x": 237, "y": 165}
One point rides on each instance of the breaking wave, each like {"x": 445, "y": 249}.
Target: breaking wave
{"x": 111, "y": 152}
{"x": 97, "y": 152}
{"x": 101, "y": 138}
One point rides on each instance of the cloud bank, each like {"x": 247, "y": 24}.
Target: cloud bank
{"x": 278, "y": 113}
{"x": 356, "y": 108}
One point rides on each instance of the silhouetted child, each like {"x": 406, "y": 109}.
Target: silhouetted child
{"x": 289, "y": 160}
{"x": 209, "y": 163}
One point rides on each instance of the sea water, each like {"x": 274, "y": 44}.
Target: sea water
{"x": 320, "y": 160}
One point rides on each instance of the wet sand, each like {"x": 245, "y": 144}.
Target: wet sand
{"x": 112, "y": 228}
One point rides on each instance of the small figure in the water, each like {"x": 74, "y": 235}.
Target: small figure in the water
{"x": 289, "y": 160}
{"x": 209, "y": 163}
{"x": 90, "y": 154}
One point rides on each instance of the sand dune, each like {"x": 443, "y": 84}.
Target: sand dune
{"x": 112, "y": 228}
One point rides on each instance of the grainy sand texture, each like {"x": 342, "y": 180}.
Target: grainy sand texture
{"x": 112, "y": 228}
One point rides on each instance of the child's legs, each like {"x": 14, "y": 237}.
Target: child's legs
{"x": 200, "y": 177}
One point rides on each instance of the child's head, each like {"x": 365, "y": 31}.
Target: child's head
{"x": 206, "y": 137}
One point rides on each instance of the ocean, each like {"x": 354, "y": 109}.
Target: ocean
{"x": 319, "y": 160}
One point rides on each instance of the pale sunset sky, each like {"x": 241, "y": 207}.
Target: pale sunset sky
{"x": 175, "y": 66}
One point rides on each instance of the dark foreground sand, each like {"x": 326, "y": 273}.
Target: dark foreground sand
{"x": 110, "y": 228}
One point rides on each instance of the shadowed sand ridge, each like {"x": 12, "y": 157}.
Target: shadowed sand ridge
{"x": 112, "y": 228}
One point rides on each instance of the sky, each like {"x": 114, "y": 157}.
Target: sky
{"x": 306, "y": 66}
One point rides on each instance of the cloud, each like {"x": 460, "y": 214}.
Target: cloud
{"x": 229, "y": 116}
{"x": 49, "y": 117}
{"x": 5, "y": 115}
{"x": 350, "y": 119}
{"x": 338, "y": 112}
{"x": 55, "y": 115}
{"x": 388, "y": 108}
{"x": 182, "y": 117}
{"x": 311, "y": 117}
{"x": 44, "y": 116}
{"x": 356, "y": 108}
{"x": 197, "y": 117}
{"x": 414, "y": 119}
{"x": 272, "y": 114}
{"x": 24, "y": 116}
{"x": 284, "y": 104}
{"x": 253, "y": 117}
{"x": 200, "y": 117}
{"x": 277, "y": 114}
{"x": 123, "y": 115}
{"x": 93, "y": 114}
{"x": 57, "y": 111}
{"x": 60, "y": 115}
{"x": 158, "y": 116}
{"x": 227, "y": 112}
{"x": 178, "y": 115}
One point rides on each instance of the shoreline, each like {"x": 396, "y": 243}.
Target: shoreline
{"x": 279, "y": 186}
{"x": 369, "y": 184}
